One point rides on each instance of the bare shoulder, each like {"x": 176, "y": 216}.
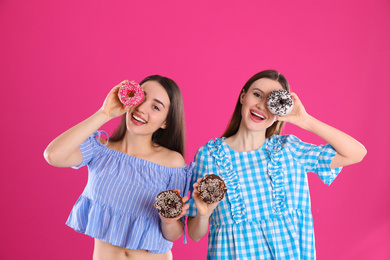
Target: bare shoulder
{"x": 172, "y": 158}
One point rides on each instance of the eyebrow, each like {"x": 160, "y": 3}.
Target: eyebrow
{"x": 156, "y": 100}
{"x": 259, "y": 90}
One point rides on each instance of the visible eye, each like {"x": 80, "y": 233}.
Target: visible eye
{"x": 156, "y": 108}
{"x": 257, "y": 95}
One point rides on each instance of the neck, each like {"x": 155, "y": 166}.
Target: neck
{"x": 136, "y": 144}
{"x": 245, "y": 140}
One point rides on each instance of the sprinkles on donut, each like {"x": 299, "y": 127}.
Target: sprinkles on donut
{"x": 212, "y": 188}
{"x": 169, "y": 204}
{"x": 280, "y": 102}
{"x": 130, "y": 93}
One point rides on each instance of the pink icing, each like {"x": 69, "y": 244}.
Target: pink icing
{"x": 131, "y": 94}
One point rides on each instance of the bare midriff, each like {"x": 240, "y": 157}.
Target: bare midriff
{"x": 107, "y": 251}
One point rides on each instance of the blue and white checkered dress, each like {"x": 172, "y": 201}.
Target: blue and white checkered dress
{"x": 266, "y": 213}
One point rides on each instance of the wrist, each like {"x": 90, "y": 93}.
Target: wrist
{"x": 203, "y": 216}
{"x": 307, "y": 123}
{"x": 103, "y": 115}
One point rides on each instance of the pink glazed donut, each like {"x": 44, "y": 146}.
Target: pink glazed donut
{"x": 131, "y": 93}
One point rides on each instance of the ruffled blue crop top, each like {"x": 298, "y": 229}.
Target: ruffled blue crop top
{"x": 117, "y": 204}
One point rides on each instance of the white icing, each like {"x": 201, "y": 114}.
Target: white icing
{"x": 280, "y": 102}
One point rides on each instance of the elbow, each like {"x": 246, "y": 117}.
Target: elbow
{"x": 195, "y": 239}
{"x": 361, "y": 154}
{"x": 193, "y": 231}
{"x": 50, "y": 156}
{"x": 172, "y": 237}
{"x": 176, "y": 238}
{"x": 358, "y": 156}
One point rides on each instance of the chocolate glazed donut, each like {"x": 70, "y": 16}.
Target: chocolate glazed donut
{"x": 212, "y": 188}
{"x": 169, "y": 204}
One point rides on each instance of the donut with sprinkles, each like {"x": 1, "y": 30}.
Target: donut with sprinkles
{"x": 169, "y": 204}
{"x": 212, "y": 188}
{"x": 280, "y": 102}
{"x": 130, "y": 93}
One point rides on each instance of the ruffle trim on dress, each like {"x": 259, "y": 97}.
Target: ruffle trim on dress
{"x": 275, "y": 171}
{"x": 115, "y": 227}
{"x": 230, "y": 178}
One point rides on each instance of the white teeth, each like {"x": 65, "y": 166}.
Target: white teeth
{"x": 139, "y": 119}
{"x": 262, "y": 117}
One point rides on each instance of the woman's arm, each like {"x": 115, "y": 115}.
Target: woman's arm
{"x": 172, "y": 228}
{"x": 198, "y": 226}
{"x": 349, "y": 150}
{"x": 63, "y": 151}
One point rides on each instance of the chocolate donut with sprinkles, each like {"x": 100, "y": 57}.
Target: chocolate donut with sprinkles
{"x": 212, "y": 188}
{"x": 169, "y": 204}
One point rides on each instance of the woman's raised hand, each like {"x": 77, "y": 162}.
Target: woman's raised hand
{"x": 298, "y": 115}
{"x": 112, "y": 106}
{"x": 64, "y": 150}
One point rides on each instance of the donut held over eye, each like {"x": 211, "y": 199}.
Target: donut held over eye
{"x": 131, "y": 93}
{"x": 212, "y": 188}
{"x": 169, "y": 204}
{"x": 280, "y": 102}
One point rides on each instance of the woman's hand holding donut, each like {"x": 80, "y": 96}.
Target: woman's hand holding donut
{"x": 298, "y": 115}
{"x": 204, "y": 209}
{"x": 198, "y": 226}
{"x": 112, "y": 106}
{"x": 172, "y": 228}
{"x": 183, "y": 211}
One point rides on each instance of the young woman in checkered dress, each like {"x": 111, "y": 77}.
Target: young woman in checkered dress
{"x": 266, "y": 212}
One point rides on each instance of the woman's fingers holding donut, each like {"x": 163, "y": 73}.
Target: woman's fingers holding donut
{"x": 295, "y": 98}
{"x": 196, "y": 184}
{"x": 185, "y": 208}
{"x": 184, "y": 199}
{"x": 298, "y": 113}
{"x": 112, "y": 106}
{"x": 123, "y": 82}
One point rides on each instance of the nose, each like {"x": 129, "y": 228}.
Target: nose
{"x": 262, "y": 104}
{"x": 141, "y": 107}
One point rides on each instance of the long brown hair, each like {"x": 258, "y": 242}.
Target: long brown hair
{"x": 235, "y": 121}
{"x": 173, "y": 136}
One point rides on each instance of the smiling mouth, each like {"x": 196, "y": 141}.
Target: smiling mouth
{"x": 257, "y": 115}
{"x": 139, "y": 119}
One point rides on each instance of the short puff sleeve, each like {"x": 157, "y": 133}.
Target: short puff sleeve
{"x": 88, "y": 148}
{"x": 199, "y": 171}
{"x": 314, "y": 158}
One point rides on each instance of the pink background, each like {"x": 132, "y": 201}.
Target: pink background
{"x": 60, "y": 58}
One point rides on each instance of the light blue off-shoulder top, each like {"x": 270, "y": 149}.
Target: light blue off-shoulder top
{"x": 117, "y": 204}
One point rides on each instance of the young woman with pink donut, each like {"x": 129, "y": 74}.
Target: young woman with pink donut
{"x": 266, "y": 212}
{"x": 143, "y": 157}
